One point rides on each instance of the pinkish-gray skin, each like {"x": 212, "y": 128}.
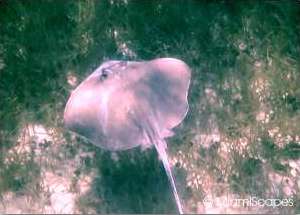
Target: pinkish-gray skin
{"x": 125, "y": 104}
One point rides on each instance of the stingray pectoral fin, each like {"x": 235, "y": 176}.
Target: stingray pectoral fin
{"x": 167, "y": 81}
{"x": 174, "y": 68}
{"x": 81, "y": 112}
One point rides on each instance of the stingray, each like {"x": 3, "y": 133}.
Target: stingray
{"x": 125, "y": 104}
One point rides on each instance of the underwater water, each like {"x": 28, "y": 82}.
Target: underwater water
{"x": 241, "y": 136}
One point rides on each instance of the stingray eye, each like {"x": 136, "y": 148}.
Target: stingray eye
{"x": 104, "y": 74}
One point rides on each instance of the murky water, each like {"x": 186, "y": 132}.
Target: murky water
{"x": 240, "y": 138}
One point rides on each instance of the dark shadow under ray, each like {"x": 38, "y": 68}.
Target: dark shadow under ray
{"x": 135, "y": 183}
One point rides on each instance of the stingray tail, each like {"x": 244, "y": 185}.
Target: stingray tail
{"x": 161, "y": 147}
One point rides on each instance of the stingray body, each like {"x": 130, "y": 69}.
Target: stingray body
{"x": 125, "y": 104}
